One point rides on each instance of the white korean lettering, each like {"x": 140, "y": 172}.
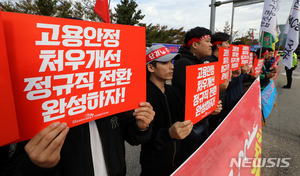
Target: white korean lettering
{"x": 45, "y": 35}
{"x": 72, "y": 36}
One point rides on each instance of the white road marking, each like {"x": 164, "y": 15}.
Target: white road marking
{"x": 296, "y": 75}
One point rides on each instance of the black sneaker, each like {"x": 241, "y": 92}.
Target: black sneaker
{"x": 286, "y": 87}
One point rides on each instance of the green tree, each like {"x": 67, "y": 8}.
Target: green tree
{"x": 247, "y": 38}
{"x": 64, "y": 9}
{"x": 156, "y": 34}
{"x": 177, "y": 36}
{"x": 126, "y": 13}
{"x": 8, "y": 6}
{"x": 46, "y": 7}
{"x": 35, "y": 7}
{"x": 161, "y": 34}
{"x": 83, "y": 9}
{"x": 227, "y": 30}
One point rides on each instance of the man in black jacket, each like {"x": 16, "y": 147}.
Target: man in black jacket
{"x": 197, "y": 47}
{"x": 92, "y": 149}
{"x": 219, "y": 39}
{"x": 159, "y": 155}
{"x": 266, "y": 72}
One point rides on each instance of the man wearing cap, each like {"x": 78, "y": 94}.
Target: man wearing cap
{"x": 159, "y": 155}
{"x": 197, "y": 47}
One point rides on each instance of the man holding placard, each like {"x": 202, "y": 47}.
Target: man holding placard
{"x": 160, "y": 155}
{"x": 266, "y": 73}
{"x": 79, "y": 71}
{"x": 218, "y": 40}
{"x": 235, "y": 89}
{"x": 197, "y": 47}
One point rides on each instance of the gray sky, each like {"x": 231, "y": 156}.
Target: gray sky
{"x": 192, "y": 13}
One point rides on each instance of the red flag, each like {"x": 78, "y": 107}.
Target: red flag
{"x": 101, "y": 8}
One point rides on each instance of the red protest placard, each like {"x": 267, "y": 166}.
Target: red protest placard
{"x": 244, "y": 54}
{"x": 224, "y": 63}
{"x": 250, "y": 62}
{"x": 71, "y": 70}
{"x": 257, "y": 66}
{"x": 277, "y": 72}
{"x": 275, "y": 62}
{"x": 8, "y": 121}
{"x": 275, "y": 54}
{"x": 202, "y": 90}
{"x": 238, "y": 137}
{"x": 234, "y": 57}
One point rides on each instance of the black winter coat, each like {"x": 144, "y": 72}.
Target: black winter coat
{"x": 160, "y": 153}
{"x": 76, "y": 158}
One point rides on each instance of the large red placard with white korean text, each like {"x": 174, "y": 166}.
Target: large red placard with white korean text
{"x": 8, "y": 121}
{"x": 72, "y": 71}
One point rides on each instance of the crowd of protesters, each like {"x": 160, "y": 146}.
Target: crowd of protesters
{"x": 97, "y": 148}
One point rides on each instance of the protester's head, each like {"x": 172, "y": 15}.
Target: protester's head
{"x": 159, "y": 62}
{"x": 271, "y": 52}
{"x": 254, "y": 53}
{"x": 264, "y": 53}
{"x": 197, "y": 41}
{"x": 219, "y": 39}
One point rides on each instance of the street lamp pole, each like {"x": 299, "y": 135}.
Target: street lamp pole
{"x": 236, "y": 3}
{"x": 212, "y": 16}
{"x": 231, "y": 28}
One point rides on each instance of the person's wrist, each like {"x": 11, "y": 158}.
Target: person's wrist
{"x": 144, "y": 128}
{"x": 141, "y": 129}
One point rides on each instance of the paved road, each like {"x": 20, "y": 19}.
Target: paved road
{"x": 281, "y": 134}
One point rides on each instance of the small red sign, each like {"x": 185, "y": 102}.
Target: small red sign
{"x": 202, "y": 90}
{"x": 257, "y": 66}
{"x": 244, "y": 54}
{"x": 234, "y": 57}
{"x": 224, "y": 62}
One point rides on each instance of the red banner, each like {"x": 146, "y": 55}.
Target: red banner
{"x": 224, "y": 63}
{"x": 244, "y": 54}
{"x": 202, "y": 90}
{"x": 238, "y": 136}
{"x": 8, "y": 121}
{"x": 71, "y": 70}
{"x": 234, "y": 57}
{"x": 257, "y": 66}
